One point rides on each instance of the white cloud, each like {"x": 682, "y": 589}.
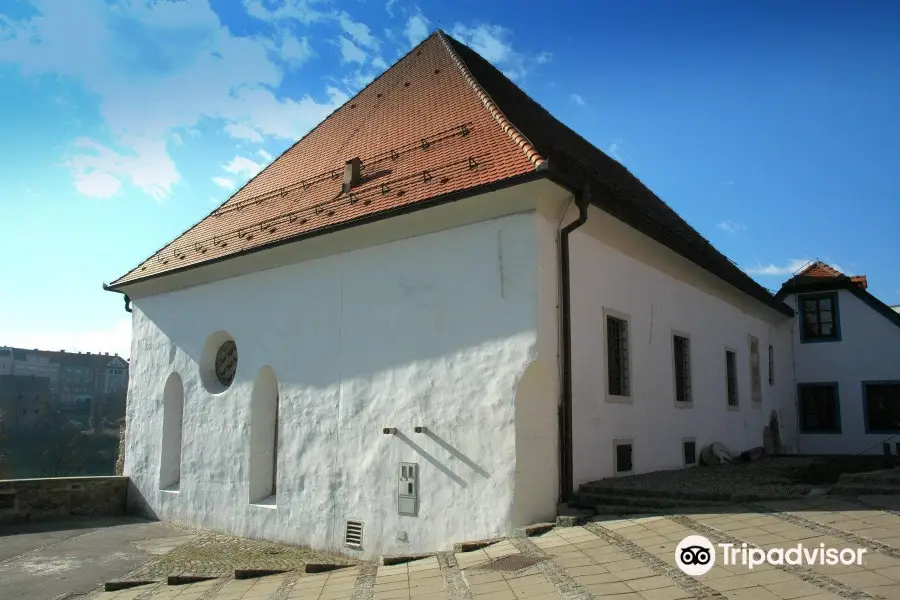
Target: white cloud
{"x": 201, "y": 72}
{"x": 359, "y": 32}
{"x": 493, "y": 43}
{"x": 115, "y": 339}
{"x": 176, "y": 138}
{"x": 304, "y": 11}
{"x": 224, "y": 182}
{"x": 350, "y": 52}
{"x": 727, "y": 182}
{"x": 242, "y": 132}
{"x": 242, "y": 167}
{"x": 98, "y": 170}
{"x": 97, "y": 184}
{"x": 265, "y": 155}
{"x": 379, "y": 63}
{"x": 389, "y": 6}
{"x": 578, "y": 99}
{"x": 615, "y": 150}
{"x": 792, "y": 266}
{"x": 416, "y": 28}
{"x": 731, "y": 227}
{"x": 357, "y": 80}
{"x": 295, "y": 51}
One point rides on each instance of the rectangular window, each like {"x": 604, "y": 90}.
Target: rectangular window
{"x": 682, "y": 352}
{"x": 755, "y": 377}
{"x": 731, "y": 375}
{"x": 689, "y": 451}
{"x": 819, "y": 318}
{"x": 819, "y": 408}
{"x": 882, "y": 405}
{"x": 617, "y": 356}
{"x": 771, "y": 365}
{"x": 624, "y": 457}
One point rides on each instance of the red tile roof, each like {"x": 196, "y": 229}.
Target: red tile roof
{"x": 440, "y": 121}
{"x": 819, "y": 270}
{"x": 424, "y": 128}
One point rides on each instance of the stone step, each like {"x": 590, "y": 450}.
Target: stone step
{"x": 891, "y": 477}
{"x": 608, "y": 490}
{"x": 864, "y": 489}
{"x": 594, "y": 499}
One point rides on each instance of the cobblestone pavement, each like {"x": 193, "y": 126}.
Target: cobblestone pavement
{"x": 213, "y": 554}
{"x": 629, "y": 558}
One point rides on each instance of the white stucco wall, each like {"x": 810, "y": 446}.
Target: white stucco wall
{"x": 625, "y": 272}
{"x": 869, "y": 350}
{"x": 414, "y": 332}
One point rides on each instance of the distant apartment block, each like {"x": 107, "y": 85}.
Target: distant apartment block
{"x": 73, "y": 379}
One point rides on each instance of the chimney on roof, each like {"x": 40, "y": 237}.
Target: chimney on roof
{"x": 352, "y": 173}
{"x": 860, "y": 280}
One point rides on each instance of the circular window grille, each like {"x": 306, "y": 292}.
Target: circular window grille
{"x": 226, "y": 363}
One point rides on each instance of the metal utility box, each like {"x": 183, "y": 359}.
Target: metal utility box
{"x": 408, "y": 489}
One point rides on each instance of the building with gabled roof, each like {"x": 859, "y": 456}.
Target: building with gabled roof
{"x": 846, "y": 348}
{"x": 432, "y": 319}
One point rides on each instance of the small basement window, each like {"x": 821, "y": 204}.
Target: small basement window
{"x": 624, "y": 457}
{"x": 689, "y": 452}
{"x": 882, "y": 406}
{"x": 819, "y": 408}
{"x": 353, "y": 534}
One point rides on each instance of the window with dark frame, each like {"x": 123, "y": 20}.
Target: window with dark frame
{"x": 819, "y": 317}
{"x": 682, "y": 351}
{"x": 819, "y": 408}
{"x": 771, "y": 365}
{"x": 624, "y": 462}
{"x": 689, "y": 448}
{"x": 755, "y": 376}
{"x": 617, "y": 356}
{"x": 731, "y": 373}
{"x": 882, "y": 404}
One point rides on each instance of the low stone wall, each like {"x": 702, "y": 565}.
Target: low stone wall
{"x": 59, "y": 497}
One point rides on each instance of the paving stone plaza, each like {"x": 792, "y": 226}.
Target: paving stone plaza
{"x": 624, "y": 558}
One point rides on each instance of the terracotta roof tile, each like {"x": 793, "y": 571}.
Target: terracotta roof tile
{"x": 441, "y": 120}
{"x": 819, "y": 269}
{"x": 422, "y": 129}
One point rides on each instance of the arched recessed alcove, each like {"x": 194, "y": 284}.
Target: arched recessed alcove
{"x": 263, "y": 459}
{"x": 172, "y": 427}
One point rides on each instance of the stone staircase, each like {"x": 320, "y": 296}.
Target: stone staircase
{"x": 885, "y": 482}
{"x": 607, "y": 499}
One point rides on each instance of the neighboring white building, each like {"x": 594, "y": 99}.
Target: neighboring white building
{"x": 847, "y": 363}
{"x": 429, "y": 321}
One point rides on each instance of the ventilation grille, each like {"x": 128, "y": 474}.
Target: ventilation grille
{"x": 353, "y": 535}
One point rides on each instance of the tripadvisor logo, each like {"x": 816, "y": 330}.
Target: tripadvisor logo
{"x": 695, "y": 555}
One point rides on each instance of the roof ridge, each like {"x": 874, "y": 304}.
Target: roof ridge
{"x": 511, "y": 130}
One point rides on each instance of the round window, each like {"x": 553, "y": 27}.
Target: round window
{"x": 226, "y": 363}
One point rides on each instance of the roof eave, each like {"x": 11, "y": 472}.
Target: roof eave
{"x": 567, "y": 181}
{"x": 123, "y": 287}
{"x": 840, "y": 283}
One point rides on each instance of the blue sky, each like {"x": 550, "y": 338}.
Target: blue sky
{"x": 772, "y": 127}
